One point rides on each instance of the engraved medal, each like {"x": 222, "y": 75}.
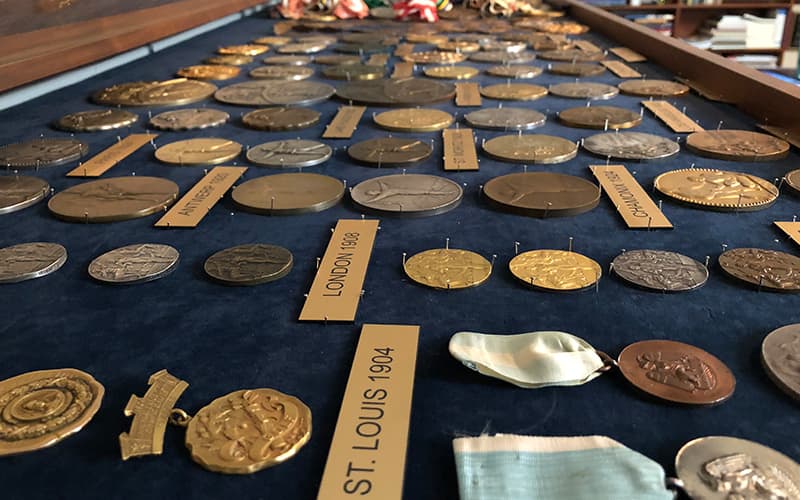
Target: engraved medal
{"x": 239, "y": 433}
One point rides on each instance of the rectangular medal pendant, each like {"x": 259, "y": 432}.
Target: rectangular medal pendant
{"x": 367, "y": 458}
{"x": 340, "y": 278}
{"x": 621, "y": 69}
{"x": 636, "y": 208}
{"x": 459, "y": 149}
{"x": 344, "y": 123}
{"x": 672, "y": 116}
{"x": 403, "y": 69}
{"x": 103, "y": 161}
{"x": 628, "y": 55}
{"x": 195, "y": 204}
{"x": 467, "y": 94}
{"x": 792, "y": 230}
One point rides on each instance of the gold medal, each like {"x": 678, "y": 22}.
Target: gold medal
{"x": 239, "y": 433}
{"x": 459, "y": 46}
{"x": 514, "y": 91}
{"x": 209, "y": 72}
{"x": 414, "y": 120}
{"x": 232, "y": 60}
{"x": 39, "y": 409}
{"x": 556, "y": 270}
{"x": 243, "y": 50}
{"x": 201, "y": 151}
{"x": 272, "y": 40}
{"x": 428, "y": 38}
{"x": 451, "y": 72}
{"x": 435, "y": 57}
{"x": 448, "y": 269}
{"x": 717, "y": 189}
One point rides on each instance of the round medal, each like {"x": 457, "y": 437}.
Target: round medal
{"x": 448, "y": 269}
{"x": 407, "y": 195}
{"x": 542, "y": 194}
{"x": 133, "y": 264}
{"x": 288, "y": 194}
{"x": 555, "y": 270}
{"x": 246, "y": 265}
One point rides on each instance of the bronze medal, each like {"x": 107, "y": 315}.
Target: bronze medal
{"x": 600, "y": 117}
{"x": 717, "y": 189}
{"x": 248, "y": 265}
{"x": 518, "y": 71}
{"x": 414, "y": 120}
{"x": 542, "y": 194}
{"x": 276, "y": 72}
{"x": 46, "y": 152}
{"x": 451, "y": 72}
{"x": 209, "y": 72}
{"x": 97, "y": 120}
{"x": 18, "y": 192}
{"x": 780, "y": 356}
{"x": 584, "y": 90}
{"x": 272, "y": 41}
{"x": 114, "y": 199}
{"x": 535, "y": 148}
{"x": 174, "y": 92}
{"x": 288, "y": 194}
{"x": 405, "y": 91}
{"x": 201, "y": 151}
{"x": 435, "y": 57}
{"x": 276, "y": 119}
{"x": 555, "y": 270}
{"x": 676, "y": 372}
{"x": 578, "y": 70}
{"x": 448, "y": 269}
{"x": 737, "y": 145}
{"x": 653, "y": 88}
{"x": 429, "y": 38}
{"x": 288, "y": 60}
{"x": 389, "y": 152}
{"x": 39, "y": 409}
{"x": 337, "y": 59}
{"x": 514, "y": 91}
{"x": 793, "y": 180}
{"x": 242, "y": 50}
{"x": 354, "y": 72}
{"x": 766, "y": 269}
{"x": 233, "y": 60}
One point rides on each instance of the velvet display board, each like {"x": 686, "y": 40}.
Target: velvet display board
{"x": 221, "y": 339}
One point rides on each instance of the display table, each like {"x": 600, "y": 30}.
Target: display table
{"x": 222, "y": 339}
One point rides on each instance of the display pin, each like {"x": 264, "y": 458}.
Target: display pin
{"x": 494, "y": 257}
{"x": 570, "y": 244}
{"x": 708, "y": 259}
{"x": 404, "y": 259}
{"x": 447, "y": 243}
{"x": 516, "y": 248}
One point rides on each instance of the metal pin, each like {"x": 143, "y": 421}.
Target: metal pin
{"x": 683, "y": 110}
{"x": 724, "y": 246}
{"x": 525, "y": 168}
{"x": 780, "y": 184}
{"x": 641, "y": 111}
{"x": 494, "y": 257}
{"x": 659, "y": 204}
{"x": 547, "y": 209}
{"x": 719, "y": 125}
{"x": 649, "y": 222}
{"x": 610, "y": 267}
{"x": 608, "y": 160}
{"x": 447, "y": 243}
{"x": 516, "y": 248}
{"x": 605, "y": 125}
{"x": 404, "y": 259}
{"x": 760, "y": 282}
{"x": 794, "y": 218}
{"x": 692, "y": 165}
{"x": 570, "y": 244}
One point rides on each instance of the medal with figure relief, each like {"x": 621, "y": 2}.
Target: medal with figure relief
{"x": 240, "y": 433}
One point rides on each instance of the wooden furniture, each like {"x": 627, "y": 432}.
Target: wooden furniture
{"x": 41, "y": 38}
{"x": 688, "y": 19}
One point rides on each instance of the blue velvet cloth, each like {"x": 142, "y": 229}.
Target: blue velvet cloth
{"x": 222, "y": 339}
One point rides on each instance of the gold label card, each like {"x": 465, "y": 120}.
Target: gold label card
{"x": 404, "y": 49}
{"x": 628, "y": 55}
{"x": 403, "y": 69}
{"x": 378, "y": 59}
{"x": 467, "y": 94}
{"x": 367, "y": 458}
{"x": 621, "y": 69}
{"x": 337, "y": 287}
{"x": 198, "y": 201}
{"x": 459, "y": 149}
{"x": 344, "y": 123}
{"x": 587, "y": 46}
{"x": 792, "y": 229}
{"x": 672, "y": 116}
{"x": 631, "y": 201}
{"x": 103, "y": 161}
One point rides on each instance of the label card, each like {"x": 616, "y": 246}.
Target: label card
{"x": 792, "y": 229}
{"x": 628, "y": 55}
{"x": 367, "y": 458}
{"x": 672, "y": 116}
{"x": 378, "y": 59}
{"x": 467, "y": 94}
{"x": 103, "y": 161}
{"x": 459, "y": 149}
{"x": 198, "y": 201}
{"x": 631, "y": 201}
{"x": 404, "y": 49}
{"x": 621, "y": 69}
{"x": 587, "y": 46}
{"x": 337, "y": 287}
{"x": 403, "y": 69}
{"x": 344, "y": 123}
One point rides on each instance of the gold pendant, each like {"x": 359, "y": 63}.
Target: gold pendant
{"x": 239, "y": 433}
